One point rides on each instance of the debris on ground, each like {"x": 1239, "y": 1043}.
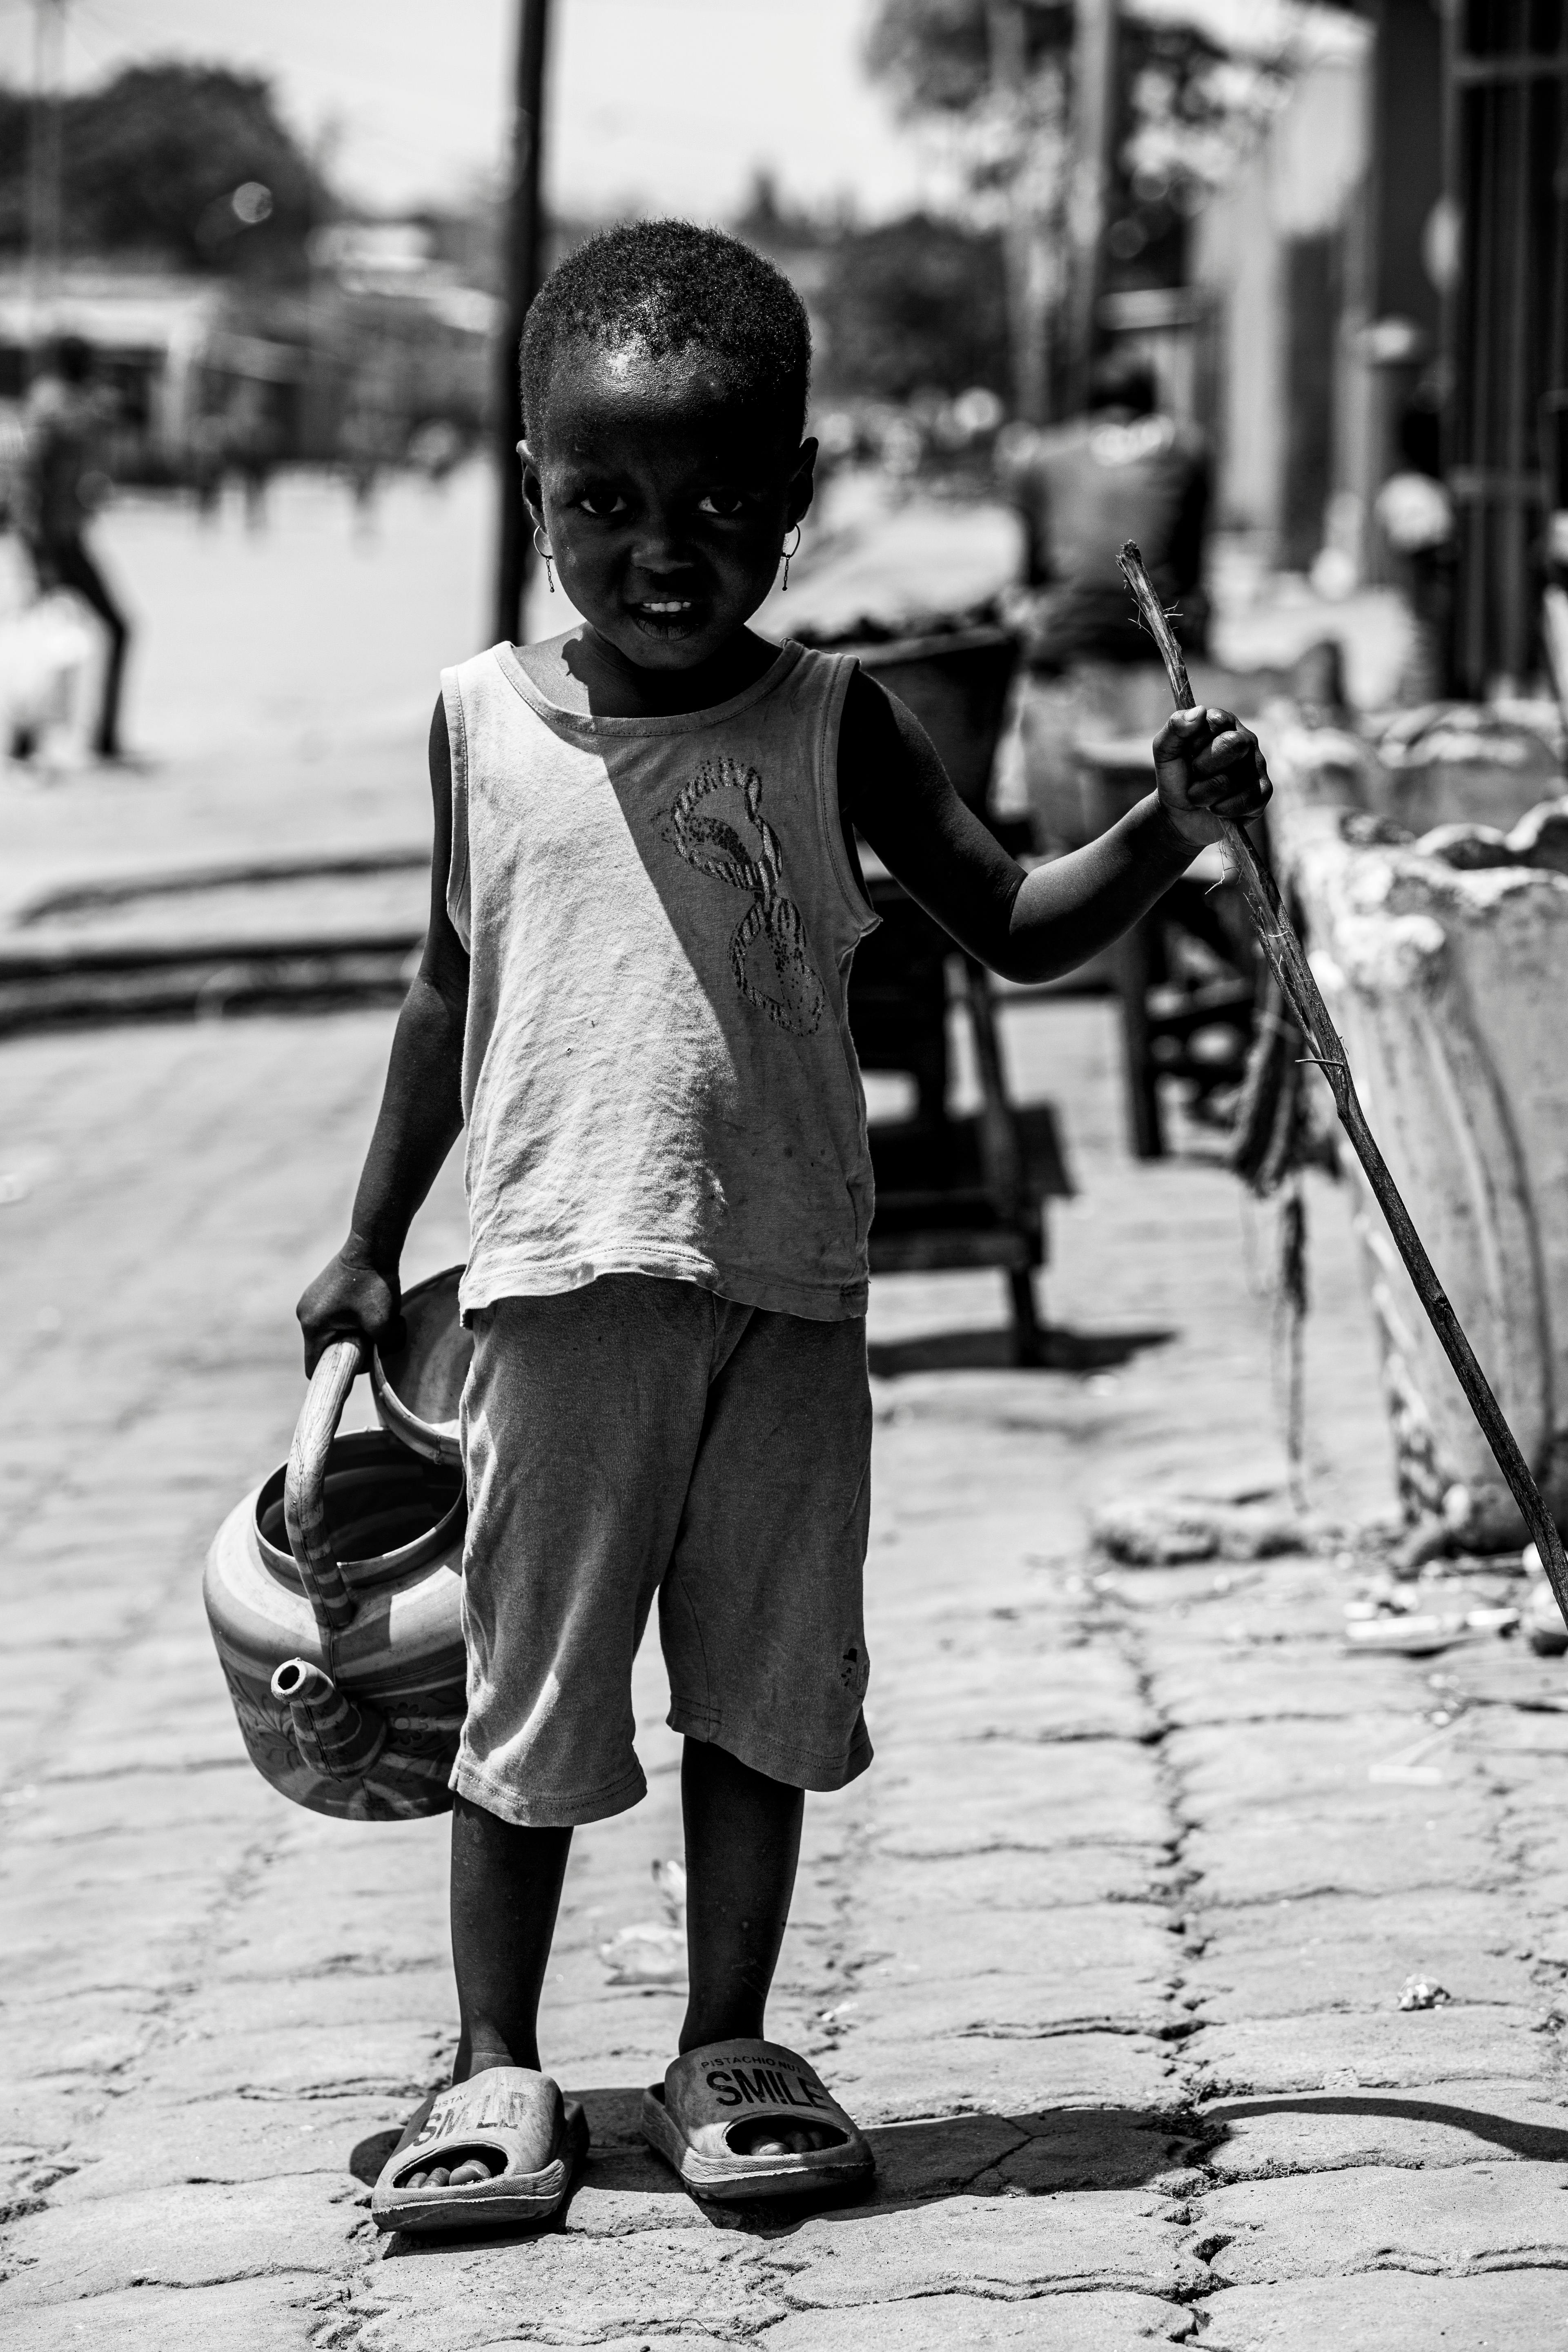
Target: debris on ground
{"x": 1508, "y": 1564}
{"x": 1411, "y": 1636}
{"x": 1174, "y": 1532}
{"x": 1419, "y": 1993}
{"x": 1412, "y": 1767}
{"x": 1544, "y": 1626}
{"x": 653, "y": 1953}
{"x": 1415, "y": 1620}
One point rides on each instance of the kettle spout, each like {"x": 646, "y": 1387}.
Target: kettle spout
{"x": 339, "y": 1736}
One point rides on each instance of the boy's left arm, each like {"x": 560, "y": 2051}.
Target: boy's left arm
{"x": 1034, "y": 926}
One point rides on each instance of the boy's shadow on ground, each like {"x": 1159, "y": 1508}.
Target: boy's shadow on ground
{"x": 984, "y": 2156}
{"x": 993, "y": 1351}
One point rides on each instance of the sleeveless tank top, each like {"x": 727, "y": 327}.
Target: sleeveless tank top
{"x": 659, "y": 914}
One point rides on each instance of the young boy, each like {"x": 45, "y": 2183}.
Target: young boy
{"x": 644, "y": 901}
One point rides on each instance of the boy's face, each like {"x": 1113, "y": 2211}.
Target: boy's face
{"x": 665, "y": 500}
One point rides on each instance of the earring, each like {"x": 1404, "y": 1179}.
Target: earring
{"x": 789, "y": 553}
{"x": 542, "y": 547}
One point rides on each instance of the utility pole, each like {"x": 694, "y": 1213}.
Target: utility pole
{"x": 43, "y": 164}
{"x": 523, "y": 253}
{"x": 1027, "y": 260}
{"x": 1096, "y": 95}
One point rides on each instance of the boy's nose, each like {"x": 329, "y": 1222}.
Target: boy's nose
{"x": 661, "y": 562}
{"x": 660, "y": 548}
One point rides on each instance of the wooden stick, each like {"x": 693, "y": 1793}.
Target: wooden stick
{"x": 1287, "y": 957}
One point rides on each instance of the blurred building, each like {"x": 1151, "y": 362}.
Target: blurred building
{"x": 1507, "y": 415}
{"x": 378, "y": 323}
{"x": 1380, "y": 293}
{"x": 1322, "y": 267}
{"x": 151, "y": 330}
{"x": 1268, "y": 256}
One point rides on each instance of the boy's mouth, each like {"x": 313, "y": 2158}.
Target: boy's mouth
{"x": 669, "y": 617}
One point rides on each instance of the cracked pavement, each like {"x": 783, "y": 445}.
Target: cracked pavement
{"x": 1105, "y": 1951}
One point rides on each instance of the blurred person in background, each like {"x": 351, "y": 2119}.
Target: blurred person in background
{"x": 368, "y": 443}
{"x": 252, "y": 445}
{"x": 1415, "y": 513}
{"x": 1122, "y": 471}
{"x": 206, "y": 462}
{"x": 13, "y": 449}
{"x": 437, "y": 450}
{"x": 59, "y": 487}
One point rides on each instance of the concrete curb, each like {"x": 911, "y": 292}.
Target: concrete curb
{"x": 53, "y": 987}
{"x": 70, "y": 980}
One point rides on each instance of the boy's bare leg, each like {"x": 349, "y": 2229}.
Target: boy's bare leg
{"x": 506, "y": 1891}
{"x": 743, "y": 1841}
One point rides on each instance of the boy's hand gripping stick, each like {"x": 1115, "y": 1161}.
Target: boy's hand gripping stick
{"x": 1287, "y": 961}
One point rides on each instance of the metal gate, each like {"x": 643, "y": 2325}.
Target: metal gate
{"x": 1506, "y": 324}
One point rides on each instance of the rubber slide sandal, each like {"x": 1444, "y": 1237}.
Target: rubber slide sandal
{"x": 688, "y": 2120}
{"x": 499, "y": 2118}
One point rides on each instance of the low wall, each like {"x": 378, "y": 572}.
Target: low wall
{"x": 1444, "y": 962}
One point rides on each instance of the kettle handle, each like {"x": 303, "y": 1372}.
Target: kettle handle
{"x": 305, "y": 1485}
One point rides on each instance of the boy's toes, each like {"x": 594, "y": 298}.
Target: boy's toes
{"x": 418, "y": 2180}
{"x": 465, "y": 2174}
{"x": 792, "y": 2140}
{"x": 439, "y": 2177}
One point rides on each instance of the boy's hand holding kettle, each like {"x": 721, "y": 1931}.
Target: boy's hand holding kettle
{"x": 351, "y": 1299}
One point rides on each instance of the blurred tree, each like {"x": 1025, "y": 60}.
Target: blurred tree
{"x": 913, "y": 305}
{"x": 1189, "y": 104}
{"x": 936, "y": 55}
{"x": 766, "y": 219}
{"x": 190, "y": 163}
{"x": 994, "y": 76}
{"x": 16, "y": 121}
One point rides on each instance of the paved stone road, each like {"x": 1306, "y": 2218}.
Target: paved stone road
{"x": 1106, "y": 1949}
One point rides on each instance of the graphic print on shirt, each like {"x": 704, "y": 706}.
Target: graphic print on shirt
{"x": 767, "y": 953}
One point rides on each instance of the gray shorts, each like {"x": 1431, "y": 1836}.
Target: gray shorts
{"x": 637, "y": 1437}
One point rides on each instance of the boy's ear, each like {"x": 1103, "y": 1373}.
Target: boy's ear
{"x": 802, "y": 481}
{"x": 533, "y": 487}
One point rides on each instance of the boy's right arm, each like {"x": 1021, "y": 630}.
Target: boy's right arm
{"x": 357, "y": 1294}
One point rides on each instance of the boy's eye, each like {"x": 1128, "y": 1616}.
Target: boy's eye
{"x": 724, "y": 503}
{"x": 603, "y": 504}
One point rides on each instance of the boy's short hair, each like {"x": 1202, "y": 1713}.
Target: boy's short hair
{"x": 670, "y": 286}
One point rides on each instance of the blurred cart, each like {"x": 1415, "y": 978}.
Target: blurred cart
{"x": 951, "y": 1192}
{"x": 1186, "y": 976}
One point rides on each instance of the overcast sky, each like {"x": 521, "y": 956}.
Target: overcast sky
{"x": 671, "y": 101}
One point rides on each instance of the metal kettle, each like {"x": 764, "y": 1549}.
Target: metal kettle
{"x": 333, "y": 1591}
